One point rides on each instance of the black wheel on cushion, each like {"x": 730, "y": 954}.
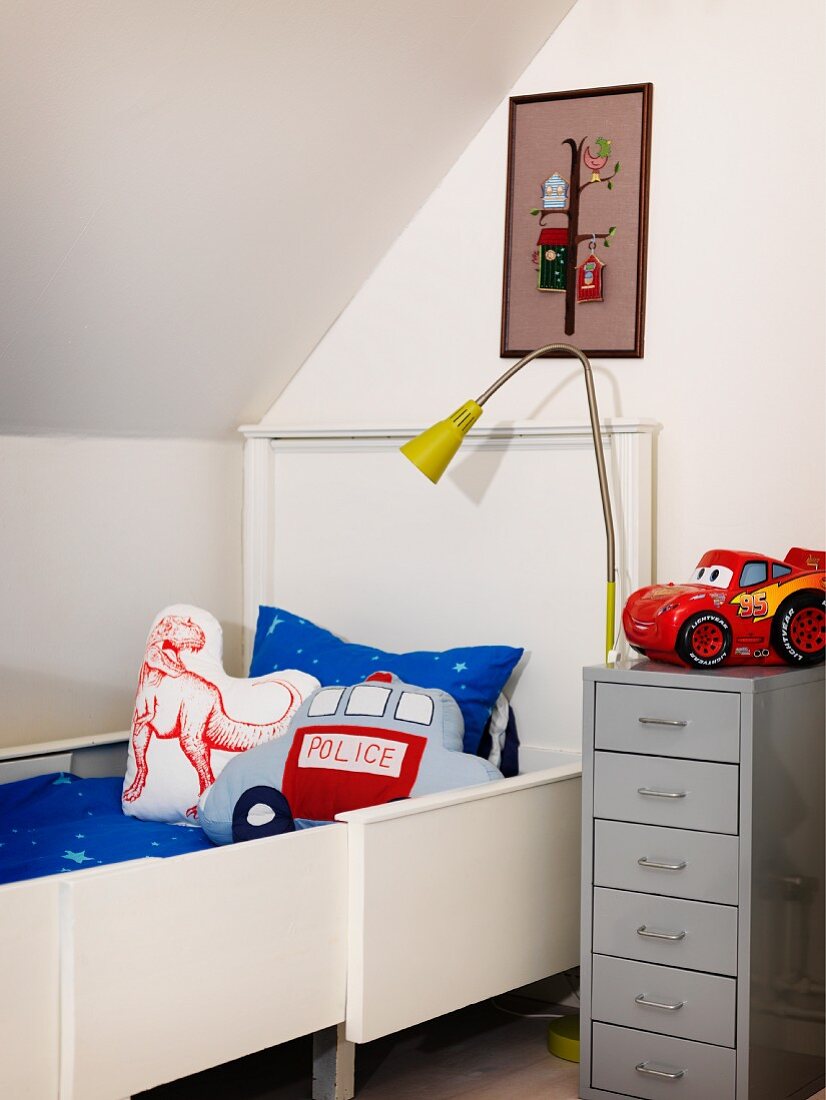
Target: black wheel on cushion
{"x": 799, "y": 628}
{"x": 705, "y": 640}
{"x": 261, "y": 811}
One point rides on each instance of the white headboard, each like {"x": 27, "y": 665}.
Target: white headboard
{"x": 508, "y": 548}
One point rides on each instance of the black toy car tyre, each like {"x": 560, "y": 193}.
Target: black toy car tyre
{"x": 705, "y": 640}
{"x": 261, "y": 811}
{"x": 798, "y": 633}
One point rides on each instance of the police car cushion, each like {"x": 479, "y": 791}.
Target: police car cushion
{"x": 348, "y": 747}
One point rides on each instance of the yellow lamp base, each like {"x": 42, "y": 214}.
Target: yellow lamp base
{"x": 563, "y": 1038}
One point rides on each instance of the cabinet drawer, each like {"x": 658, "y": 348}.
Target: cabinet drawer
{"x": 676, "y": 862}
{"x": 656, "y": 790}
{"x": 670, "y": 931}
{"x": 701, "y": 725}
{"x": 664, "y": 999}
{"x": 696, "y": 1071}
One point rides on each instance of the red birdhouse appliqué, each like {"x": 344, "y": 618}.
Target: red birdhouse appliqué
{"x": 590, "y": 276}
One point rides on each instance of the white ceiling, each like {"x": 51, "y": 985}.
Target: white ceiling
{"x": 192, "y": 190}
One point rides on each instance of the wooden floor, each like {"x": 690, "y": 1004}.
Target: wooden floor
{"x": 479, "y": 1052}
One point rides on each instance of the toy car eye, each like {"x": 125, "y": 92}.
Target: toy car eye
{"x": 700, "y": 573}
{"x": 715, "y": 573}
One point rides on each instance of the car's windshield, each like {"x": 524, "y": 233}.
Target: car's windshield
{"x": 717, "y": 576}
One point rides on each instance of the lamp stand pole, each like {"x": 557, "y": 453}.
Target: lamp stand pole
{"x": 569, "y": 349}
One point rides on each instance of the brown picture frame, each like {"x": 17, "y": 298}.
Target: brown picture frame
{"x": 559, "y": 224}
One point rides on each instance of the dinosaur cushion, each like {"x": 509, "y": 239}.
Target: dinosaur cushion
{"x": 348, "y": 747}
{"x": 191, "y": 717}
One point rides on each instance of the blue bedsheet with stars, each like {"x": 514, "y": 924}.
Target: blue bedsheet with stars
{"x": 58, "y": 822}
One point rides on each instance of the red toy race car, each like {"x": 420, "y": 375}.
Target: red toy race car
{"x": 736, "y": 608}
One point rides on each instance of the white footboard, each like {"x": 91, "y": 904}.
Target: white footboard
{"x": 458, "y": 897}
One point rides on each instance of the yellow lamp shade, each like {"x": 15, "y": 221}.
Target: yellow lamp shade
{"x": 432, "y": 450}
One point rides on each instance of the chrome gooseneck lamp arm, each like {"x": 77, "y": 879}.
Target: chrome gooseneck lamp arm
{"x": 433, "y": 449}
{"x": 595, "y": 431}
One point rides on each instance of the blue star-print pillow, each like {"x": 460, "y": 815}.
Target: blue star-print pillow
{"x": 473, "y": 675}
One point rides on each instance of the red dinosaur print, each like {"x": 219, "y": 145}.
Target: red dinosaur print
{"x": 173, "y": 701}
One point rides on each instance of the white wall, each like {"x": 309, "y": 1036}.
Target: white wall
{"x": 196, "y": 191}
{"x": 735, "y": 324}
{"x": 193, "y": 190}
{"x": 97, "y": 535}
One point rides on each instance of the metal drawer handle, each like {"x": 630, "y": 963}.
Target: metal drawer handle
{"x": 643, "y": 1000}
{"x": 644, "y": 861}
{"x": 649, "y": 792}
{"x": 662, "y": 722}
{"x": 668, "y": 1074}
{"x": 654, "y": 935}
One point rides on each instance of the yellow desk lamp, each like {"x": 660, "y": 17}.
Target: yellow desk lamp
{"x": 432, "y": 451}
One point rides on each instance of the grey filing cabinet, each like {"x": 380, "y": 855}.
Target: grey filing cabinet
{"x": 703, "y": 883}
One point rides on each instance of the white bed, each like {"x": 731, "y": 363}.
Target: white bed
{"x": 119, "y": 978}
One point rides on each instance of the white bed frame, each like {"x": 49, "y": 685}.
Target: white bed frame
{"x": 122, "y": 977}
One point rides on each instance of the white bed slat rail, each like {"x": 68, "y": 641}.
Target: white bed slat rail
{"x": 416, "y": 952}
{"x": 210, "y": 955}
{"x": 29, "y": 990}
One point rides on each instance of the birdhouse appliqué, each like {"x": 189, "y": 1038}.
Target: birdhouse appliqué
{"x": 589, "y": 280}
{"x": 552, "y": 259}
{"x": 555, "y": 193}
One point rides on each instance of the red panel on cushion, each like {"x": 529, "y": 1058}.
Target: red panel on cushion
{"x": 332, "y": 769}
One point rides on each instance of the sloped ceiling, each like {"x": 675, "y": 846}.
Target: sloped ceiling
{"x": 192, "y": 190}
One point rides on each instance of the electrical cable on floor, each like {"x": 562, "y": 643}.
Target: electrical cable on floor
{"x": 552, "y": 1010}
{"x": 556, "y": 1010}
{"x": 567, "y": 975}
{"x": 528, "y": 1015}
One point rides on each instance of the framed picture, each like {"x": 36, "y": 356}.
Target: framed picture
{"x": 576, "y": 221}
